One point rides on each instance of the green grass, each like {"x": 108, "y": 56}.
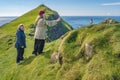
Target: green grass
{"x": 104, "y": 64}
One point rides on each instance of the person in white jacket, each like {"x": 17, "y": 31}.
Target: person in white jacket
{"x": 40, "y": 31}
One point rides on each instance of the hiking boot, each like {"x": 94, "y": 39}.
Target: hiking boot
{"x": 18, "y": 63}
{"x": 35, "y": 53}
{"x": 41, "y": 52}
{"x": 22, "y": 59}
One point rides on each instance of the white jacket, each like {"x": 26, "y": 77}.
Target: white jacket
{"x": 41, "y": 28}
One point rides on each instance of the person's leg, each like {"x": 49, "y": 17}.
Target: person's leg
{"x": 39, "y": 41}
{"x": 18, "y": 55}
{"x": 35, "y": 47}
{"x": 22, "y": 53}
{"x": 41, "y": 46}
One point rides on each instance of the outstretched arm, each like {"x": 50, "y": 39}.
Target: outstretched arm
{"x": 53, "y": 22}
{"x": 59, "y": 19}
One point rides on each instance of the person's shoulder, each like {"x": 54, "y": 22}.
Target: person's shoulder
{"x": 19, "y": 31}
{"x": 41, "y": 20}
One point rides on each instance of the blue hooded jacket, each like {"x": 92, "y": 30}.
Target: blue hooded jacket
{"x": 20, "y": 39}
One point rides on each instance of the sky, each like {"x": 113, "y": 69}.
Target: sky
{"x": 63, "y": 7}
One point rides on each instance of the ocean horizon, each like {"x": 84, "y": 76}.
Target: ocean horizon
{"x": 74, "y": 21}
{"x": 78, "y": 21}
{"x": 6, "y": 19}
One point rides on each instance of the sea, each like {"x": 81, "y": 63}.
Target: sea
{"x": 6, "y": 19}
{"x": 74, "y": 21}
{"x": 78, "y": 21}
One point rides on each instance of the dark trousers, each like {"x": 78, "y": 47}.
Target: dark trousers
{"x": 38, "y": 46}
{"x": 20, "y": 52}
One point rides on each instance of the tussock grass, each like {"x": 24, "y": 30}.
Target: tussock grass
{"x": 104, "y": 64}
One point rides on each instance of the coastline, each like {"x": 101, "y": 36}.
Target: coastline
{"x": 74, "y": 21}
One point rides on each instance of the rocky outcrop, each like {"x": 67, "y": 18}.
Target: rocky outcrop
{"x": 109, "y": 21}
{"x": 88, "y": 51}
{"x": 56, "y": 57}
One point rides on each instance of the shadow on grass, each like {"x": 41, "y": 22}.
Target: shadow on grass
{"x": 31, "y": 58}
{"x": 47, "y": 54}
{"x": 28, "y": 60}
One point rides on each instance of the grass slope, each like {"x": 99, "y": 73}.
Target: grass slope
{"x": 7, "y": 31}
{"x": 104, "y": 65}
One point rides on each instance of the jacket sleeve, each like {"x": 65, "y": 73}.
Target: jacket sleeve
{"x": 19, "y": 40}
{"x": 51, "y": 23}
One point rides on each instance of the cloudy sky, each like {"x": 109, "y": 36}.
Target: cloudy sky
{"x": 63, "y": 7}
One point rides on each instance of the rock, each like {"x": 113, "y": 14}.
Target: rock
{"x": 109, "y": 21}
{"x": 88, "y": 51}
{"x": 55, "y": 57}
{"x": 60, "y": 60}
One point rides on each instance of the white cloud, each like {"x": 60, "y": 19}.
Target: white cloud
{"x": 111, "y": 4}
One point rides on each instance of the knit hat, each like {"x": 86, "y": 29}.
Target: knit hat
{"x": 41, "y": 12}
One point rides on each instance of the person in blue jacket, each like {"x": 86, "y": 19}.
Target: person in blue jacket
{"x": 20, "y": 43}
